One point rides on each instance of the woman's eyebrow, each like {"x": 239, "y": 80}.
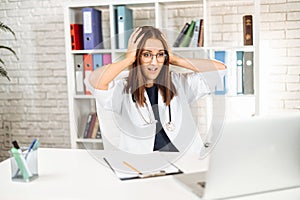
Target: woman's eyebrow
{"x": 151, "y": 50}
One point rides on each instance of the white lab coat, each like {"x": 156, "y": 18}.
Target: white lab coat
{"x": 135, "y": 129}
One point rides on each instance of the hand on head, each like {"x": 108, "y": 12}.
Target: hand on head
{"x": 132, "y": 44}
{"x": 135, "y": 39}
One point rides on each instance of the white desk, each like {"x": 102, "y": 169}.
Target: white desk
{"x": 75, "y": 174}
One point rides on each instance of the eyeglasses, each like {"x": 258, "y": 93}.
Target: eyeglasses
{"x": 147, "y": 57}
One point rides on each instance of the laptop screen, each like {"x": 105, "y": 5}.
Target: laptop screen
{"x": 255, "y": 155}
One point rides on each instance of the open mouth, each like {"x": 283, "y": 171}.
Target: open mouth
{"x": 152, "y": 69}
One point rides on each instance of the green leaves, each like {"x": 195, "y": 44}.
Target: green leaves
{"x": 3, "y": 72}
{"x": 5, "y": 28}
{"x": 10, "y": 49}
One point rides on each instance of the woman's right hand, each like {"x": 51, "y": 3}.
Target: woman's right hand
{"x": 132, "y": 44}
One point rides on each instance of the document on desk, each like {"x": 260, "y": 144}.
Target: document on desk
{"x": 133, "y": 166}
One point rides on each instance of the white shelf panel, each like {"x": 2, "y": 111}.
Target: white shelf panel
{"x": 91, "y": 51}
{"x": 88, "y": 140}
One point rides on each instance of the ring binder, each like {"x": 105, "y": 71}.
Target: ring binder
{"x": 92, "y": 28}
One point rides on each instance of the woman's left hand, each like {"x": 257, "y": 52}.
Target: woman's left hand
{"x": 172, "y": 57}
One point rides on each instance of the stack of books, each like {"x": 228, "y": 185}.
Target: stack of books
{"x": 92, "y": 127}
{"x": 191, "y": 34}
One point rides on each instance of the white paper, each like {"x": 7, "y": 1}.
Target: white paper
{"x": 87, "y": 21}
{"x": 149, "y": 165}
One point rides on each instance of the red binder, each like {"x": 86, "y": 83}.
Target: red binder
{"x": 88, "y": 68}
{"x": 76, "y": 36}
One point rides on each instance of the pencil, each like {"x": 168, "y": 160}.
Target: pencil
{"x": 133, "y": 168}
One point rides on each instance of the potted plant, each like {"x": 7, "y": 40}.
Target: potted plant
{"x": 5, "y": 28}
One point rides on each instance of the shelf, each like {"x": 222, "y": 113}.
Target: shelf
{"x": 172, "y": 3}
{"x": 240, "y": 96}
{"x": 91, "y": 51}
{"x": 235, "y": 48}
{"x": 120, "y": 50}
{"x": 240, "y": 48}
{"x": 87, "y": 140}
{"x": 137, "y": 4}
{"x": 223, "y": 31}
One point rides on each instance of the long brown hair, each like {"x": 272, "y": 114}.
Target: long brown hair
{"x": 136, "y": 81}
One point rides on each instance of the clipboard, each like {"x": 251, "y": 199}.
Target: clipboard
{"x": 140, "y": 166}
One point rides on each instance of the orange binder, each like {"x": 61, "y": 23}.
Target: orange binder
{"x": 88, "y": 68}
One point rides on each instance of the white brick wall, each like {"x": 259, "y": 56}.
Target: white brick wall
{"x": 280, "y": 29}
{"x": 35, "y": 100}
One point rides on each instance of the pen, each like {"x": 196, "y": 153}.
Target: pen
{"x": 30, "y": 147}
{"x": 132, "y": 168}
{"x": 36, "y": 145}
{"x": 15, "y": 144}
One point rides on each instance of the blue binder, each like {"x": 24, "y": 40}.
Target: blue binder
{"x": 220, "y": 56}
{"x": 97, "y": 61}
{"x": 221, "y": 87}
{"x": 239, "y": 72}
{"x": 124, "y": 26}
{"x": 92, "y": 28}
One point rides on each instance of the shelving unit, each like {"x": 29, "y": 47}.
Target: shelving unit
{"x": 222, "y": 31}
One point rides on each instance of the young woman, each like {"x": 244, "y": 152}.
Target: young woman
{"x": 151, "y": 103}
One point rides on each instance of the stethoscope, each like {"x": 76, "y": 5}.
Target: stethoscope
{"x": 170, "y": 126}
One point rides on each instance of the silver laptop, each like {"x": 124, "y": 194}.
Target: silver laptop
{"x": 257, "y": 155}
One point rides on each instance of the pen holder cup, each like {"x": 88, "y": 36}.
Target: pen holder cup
{"x": 24, "y": 166}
